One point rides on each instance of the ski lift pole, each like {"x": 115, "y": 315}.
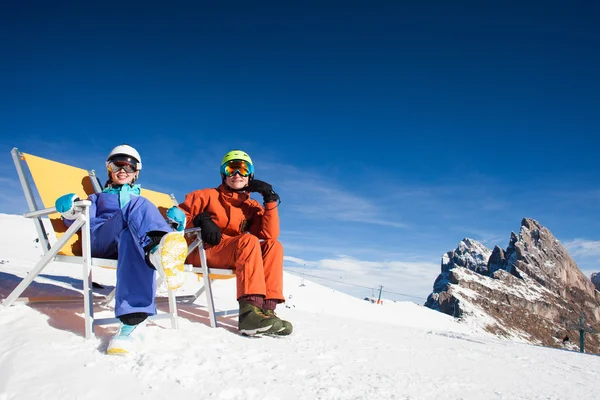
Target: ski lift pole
{"x": 581, "y": 338}
{"x": 582, "y": 330}
{"x": 379, "y": 298}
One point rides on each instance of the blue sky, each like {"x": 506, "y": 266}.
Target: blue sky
{"x": 390, "y": 131}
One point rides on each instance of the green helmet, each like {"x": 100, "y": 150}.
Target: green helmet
{"x": 237, "y": 155}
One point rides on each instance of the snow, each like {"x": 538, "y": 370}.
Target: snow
{"x": 527, "y": 289}
{"x": 342, "y": 348}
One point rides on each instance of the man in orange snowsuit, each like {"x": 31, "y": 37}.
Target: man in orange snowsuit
{"x": 239, "y": 233}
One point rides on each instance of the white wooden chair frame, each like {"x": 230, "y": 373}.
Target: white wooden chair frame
{"x": 206, "y": 273}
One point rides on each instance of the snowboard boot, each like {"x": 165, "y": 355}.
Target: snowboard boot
{"x": 252, "y": 321}
{"x": 287, "y": 327}
{"x": 170, "y": 254}
{"x": 128, "y": 340}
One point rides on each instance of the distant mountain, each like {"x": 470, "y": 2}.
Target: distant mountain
{"x": 531, "y": 291}
{"x": 596, "y": 280}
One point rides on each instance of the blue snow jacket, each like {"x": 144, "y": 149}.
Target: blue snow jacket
{"x": 106, "y": 204}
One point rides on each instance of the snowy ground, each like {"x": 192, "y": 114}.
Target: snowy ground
{"x": 342, "y": 348}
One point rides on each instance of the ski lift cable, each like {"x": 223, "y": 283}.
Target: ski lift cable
{"x": 353, "y": 284}
{"x": 329, "y": 279}
{"x": 402, "y": 294}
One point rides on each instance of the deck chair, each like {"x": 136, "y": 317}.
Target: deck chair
{"x": 70, "y": 246}
{"x": 205, "y": 274}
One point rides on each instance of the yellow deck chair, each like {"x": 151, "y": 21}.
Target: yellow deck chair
{"x": 52, "y": 180}
{"x": 69, "y": 246}
{"x": 205, "y": 274}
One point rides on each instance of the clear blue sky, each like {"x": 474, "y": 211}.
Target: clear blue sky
{"x": 390, "y": 131}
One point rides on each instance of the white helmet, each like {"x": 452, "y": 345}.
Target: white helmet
{"x": 126, "y": 150}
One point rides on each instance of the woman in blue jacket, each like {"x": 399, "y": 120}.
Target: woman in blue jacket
{"x": 128, "y": 227}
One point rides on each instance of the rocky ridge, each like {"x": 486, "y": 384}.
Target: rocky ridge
{"x": 532, "y": 291}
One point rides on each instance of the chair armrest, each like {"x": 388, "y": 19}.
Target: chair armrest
{"x": 52, "y": 210}
{"x": 192, "y": 231}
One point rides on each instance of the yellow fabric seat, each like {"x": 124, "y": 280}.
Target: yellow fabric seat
{"x": 53, "y": 179}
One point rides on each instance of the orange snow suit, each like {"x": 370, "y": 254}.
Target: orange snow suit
{"x": 249, "y": 239}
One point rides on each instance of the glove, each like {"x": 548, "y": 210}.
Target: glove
{"x": 264, "y": 189}
{"x": 64, "y": 205}
{"x": 210, "y": 232}
{"x": 176, "y": 218}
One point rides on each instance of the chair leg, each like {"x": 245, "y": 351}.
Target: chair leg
{"x": 14, "y": 295}
{"x": 162, "y": 277}
{"x": 173, "y": 309}
{"x": 209, "y": 297}
{"x": 88, "y": 295}
{"x": 109, "y": 298}
{"x": 210, "y": 302}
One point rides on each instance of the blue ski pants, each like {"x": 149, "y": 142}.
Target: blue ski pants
{"x": 123, "y": 237}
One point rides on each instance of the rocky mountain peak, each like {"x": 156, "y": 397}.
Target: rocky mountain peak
{"x": 541, "y": 256}
{"x": 469, "y": 254}
{"x": 530, "y": 290}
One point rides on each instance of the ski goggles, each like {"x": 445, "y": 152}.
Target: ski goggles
{"x": 230, "y": 168}
{"x": 126, "y": 163}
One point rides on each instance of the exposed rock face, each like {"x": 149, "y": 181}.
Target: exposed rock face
{"x": 470, "y": 254}
{"x": 532, "y": 291}
{"x": 596, "y": 280}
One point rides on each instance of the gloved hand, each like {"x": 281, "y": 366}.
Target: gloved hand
{"x": 264, "y": 189}
{"x": 176, "y": 218}
{"x": 210, "y": 232}
{"x": 64, "y": 205}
